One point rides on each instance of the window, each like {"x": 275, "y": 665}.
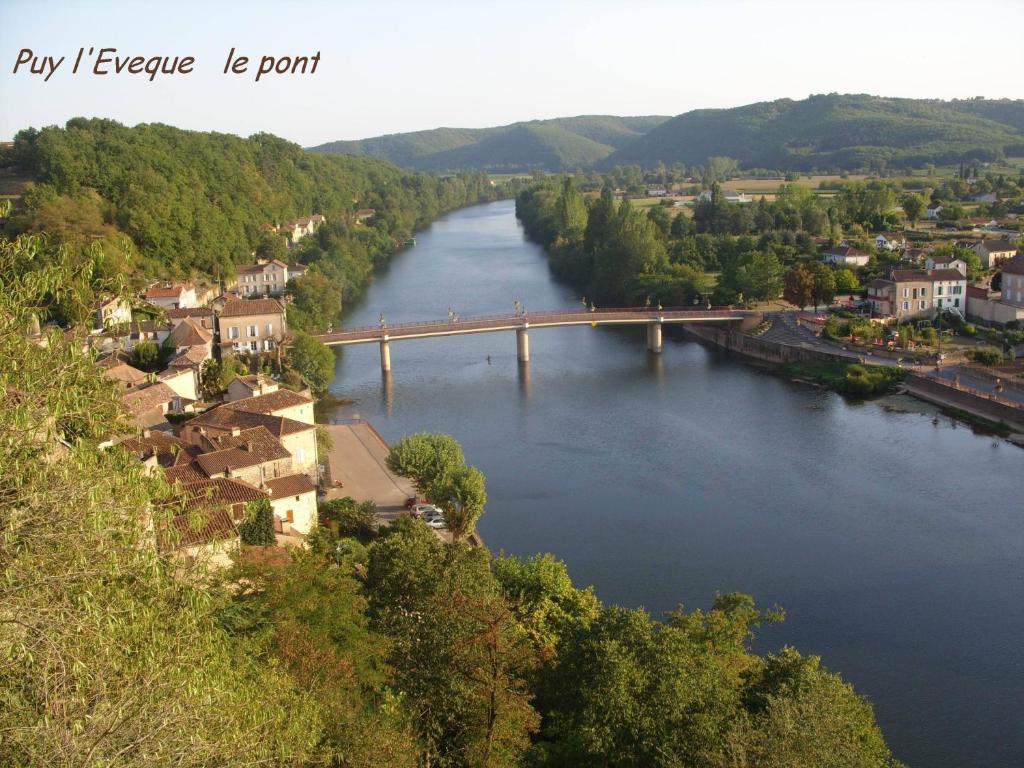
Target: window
{"x": 915, "y": 293}
{"x": 956, "y": 302}
{"x": 938, "y": 290}
{"x": 270, "y": 329}
{"x": 254, "y": 346}
{"x": 233, "y": 332}
{"x": 921, "y": 305}
{"x": 300, "y": 455}
{"x": 957, "y": 289}
{"x": 267, "y": 345}
{"x": 906, "y": 304}
{"x": 906, "y": 292}
{"x": 924, "y": 291}
{"x": 252, "y": 331}
{"x": 939, "y": 304}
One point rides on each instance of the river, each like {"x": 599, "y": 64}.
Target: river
{"x": 891, "y": 535}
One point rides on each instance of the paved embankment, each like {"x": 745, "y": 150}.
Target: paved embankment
{"x": 358, "y": 461}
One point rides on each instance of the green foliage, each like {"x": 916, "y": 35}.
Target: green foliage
{"x": 109, "y": 655}
{"x": 316, "y": 302}
{"x": 348, "y": 517}
{"x": 258, "y": 527}
{"x": 146, "y": 356}
{"x": 798, "y": 286}
{"x": 435, "y": 463}
{"x": 217, "y": 374}
{"x": 314, "y": 361}
{"x": 199, "y": 202}
{"x": 987, "y": 355}
{"x": 427, "y": 458}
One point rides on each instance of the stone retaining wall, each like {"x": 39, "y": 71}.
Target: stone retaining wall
{"x": 977, "y": 404}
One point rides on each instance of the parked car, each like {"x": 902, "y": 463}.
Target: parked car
{"x": 424, "y": 510}
{"x": 435, "y": 520}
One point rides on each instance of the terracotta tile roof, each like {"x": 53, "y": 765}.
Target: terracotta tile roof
{"x": 845, "y": 250}
{"x": 138, "y": 401}
{"x": 169, "y": 450}
{"x": 998, "y": 245}
{"x": 204, "y": 526}
{"x": 246, "y": 307}
{"x": 946, "y": 274}
{"x": 181, "y": 312}
{"x": 926, "y": 275}
{"x": 167, "y": 291}
{"x": 292, "y": 485}
{"x": 224, "y": 417}
{"x": 1015, "y": 266}
{"x": 246, "y": 449}
{"x": 185, "y": 473}
{"x": 189, "y": 333}
{"x": 973, "y": 292}
{"x": 270, "y": 402}
{"x": 125, "y": 373}
{"x": 189, "y": 358}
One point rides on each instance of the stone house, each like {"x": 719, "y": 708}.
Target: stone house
{"x": 264, "y": 278}
{"x": 994, "y": 252}
{"x": 252, "y": 326}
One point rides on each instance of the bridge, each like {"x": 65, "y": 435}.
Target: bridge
{"x": 521, "y": 323}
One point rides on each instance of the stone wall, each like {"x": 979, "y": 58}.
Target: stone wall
{"x": 761, "y": 349}
{"x": 979, "y": 405}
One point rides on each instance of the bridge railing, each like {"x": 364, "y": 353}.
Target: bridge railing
{"x": 624, "y": 312}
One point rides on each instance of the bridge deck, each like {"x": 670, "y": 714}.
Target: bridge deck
{"x": 513, "y": 322}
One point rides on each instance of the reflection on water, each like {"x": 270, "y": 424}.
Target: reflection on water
{"x": 892, "y": 536}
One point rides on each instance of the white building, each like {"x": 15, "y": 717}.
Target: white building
{"x": 172, "y": 295}
{"x": 846, "y": 255}
{"x": 993, "y": 252}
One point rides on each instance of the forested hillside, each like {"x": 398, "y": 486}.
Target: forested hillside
{"x": 193, "y": 202}
{"x": 550, "y": 145}
{"x": 835, "y": 132}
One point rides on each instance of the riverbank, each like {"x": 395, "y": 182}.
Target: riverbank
{"x": 829, "y": 368}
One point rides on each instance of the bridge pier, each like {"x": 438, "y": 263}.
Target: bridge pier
{"x": 654, "y": 337}
{"x": 385, "y": 355}
{"x": 522, "y": 345}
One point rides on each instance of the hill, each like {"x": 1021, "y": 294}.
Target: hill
{"x": 197, "y": 203}
{"x": 563, "y": 143}
{"x": 834, "y": 132}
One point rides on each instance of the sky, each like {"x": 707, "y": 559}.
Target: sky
{"x": 390, "y": 66}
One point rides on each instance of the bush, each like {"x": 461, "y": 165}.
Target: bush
{"x": 987, "y": 355}
{"x": 969, "y": 329}
{"x": 863, "y": 380}
{"x": 258, "y": 527}
{"x": 348, "y": 517}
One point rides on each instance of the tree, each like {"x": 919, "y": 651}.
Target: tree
{"x": 146, "y": 355}
{"x": 350, "y": 517}
{"x": 426, "y": 457}
{"x": 462, "y": 499}
{"x": 217, "y": 374}
{"x": 258, "y": 527}
{"x": 272, "y": 246}
{"x": 799, "y": 286}
{"x": 913, "y": 207}
{"x": 824, "y": 285}
{"x": 846, "y": 280}
{"x": 313, "y": 360}
{"x": 460, "y": 658}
